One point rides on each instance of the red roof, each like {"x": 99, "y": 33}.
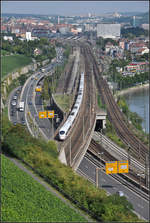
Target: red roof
{"x": 137, "y": 63}
{"x": 3, "y": 27}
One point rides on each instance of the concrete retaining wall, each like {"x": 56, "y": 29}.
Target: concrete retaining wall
{"x": 7, "y": 80}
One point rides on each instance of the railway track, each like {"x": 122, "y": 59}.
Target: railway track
{"x": 94, "y": 148}
{"x": 82, "y": 126}
{"x": 68, "y": 78}
{"x": 118, "y": 152}
{"x": 128, "y": 182}
{"x": 137, "y": 148}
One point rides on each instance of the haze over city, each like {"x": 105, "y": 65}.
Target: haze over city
{"x": 73, "y": 7}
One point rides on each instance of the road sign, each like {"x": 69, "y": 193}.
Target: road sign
{"x": 111, "y": 167}
{"x": 123, "y": 166}
{"x": 43, "y": 114}
{"x": 50, "y": 114}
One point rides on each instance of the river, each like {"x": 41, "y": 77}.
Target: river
{"x": 138, "y": 102}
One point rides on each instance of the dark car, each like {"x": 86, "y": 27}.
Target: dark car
{"x": 23, "y": 123}
{"x": 30, "y": 103}
{"x": 15, "y": 97}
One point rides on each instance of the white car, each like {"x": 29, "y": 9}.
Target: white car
{"x": 120, "y": 193}
{"x": 13, "y": 103}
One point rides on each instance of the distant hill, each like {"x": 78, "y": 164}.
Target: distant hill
{"x": 132, "y": 13}
{"x": 140, "y": 18}
{"x": 24, "y": 15}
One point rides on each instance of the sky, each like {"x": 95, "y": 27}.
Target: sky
{"x": 73, "y": 7}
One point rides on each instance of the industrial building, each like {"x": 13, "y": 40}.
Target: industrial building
{"x": 40, "y": 32}
{"x": 108, "y": 30}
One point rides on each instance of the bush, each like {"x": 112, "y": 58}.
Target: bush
{"x": 41, "y": 156}
{"x": 25, "y": 200}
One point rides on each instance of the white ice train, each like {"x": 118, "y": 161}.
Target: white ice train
{"x": 63, "y": 132}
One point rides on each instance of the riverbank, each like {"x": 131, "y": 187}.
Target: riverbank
{"x": 137, "y": 99}
{"x": 132, "y": 89}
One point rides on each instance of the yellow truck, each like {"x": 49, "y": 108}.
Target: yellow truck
{"x": 38, "y": 89}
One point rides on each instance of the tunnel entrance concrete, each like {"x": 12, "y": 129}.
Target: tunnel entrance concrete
{"x": 100, "y": 120}
{"x": 99, "y": 125}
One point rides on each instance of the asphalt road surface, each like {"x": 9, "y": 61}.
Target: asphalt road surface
{"x": 88, "y": 169}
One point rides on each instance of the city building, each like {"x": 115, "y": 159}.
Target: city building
{"x": 37, "y": 51}
{"x": 136, "y": 67}
{"x": 108, "y": 30}
{"x": 28, "y": 36}
{"x": 108, "y": 46}
{"x": 64, "y": 30}
{"x": 116, "y": 15}
{"x": 134, "y": 24}
{"x": 10, "y": 38}
{"x": 141, "y": 51}
{"x": 122, "y": 44}
{"x": 135, "y": 47}
{"x": 145, "y": 26}
{"x": 38, "y": 32}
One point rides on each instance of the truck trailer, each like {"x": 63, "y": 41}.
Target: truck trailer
{"x": 21, "y": 106}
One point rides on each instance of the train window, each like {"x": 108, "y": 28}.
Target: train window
{"x": 62, "y": 132}
{"x": 72, "y": 113}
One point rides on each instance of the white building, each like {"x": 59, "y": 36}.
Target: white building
{"x": 108, "y": 30}
{"x": 10, "y": 38}
{"x": 28, "y": 36}
{"x": 145, "y": 26}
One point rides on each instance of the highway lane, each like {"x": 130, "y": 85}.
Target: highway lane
{"x": 31, "y": 107}
{"x": 88, "y": 169}
{"x": 23, "y": 96}
{"x": 34, "y": 103}
{"x": 32, "y": 100}
{"x": 13, "y": 109}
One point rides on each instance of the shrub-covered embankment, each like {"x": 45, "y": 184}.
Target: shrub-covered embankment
{"x": 25, "y": 200}
{"x": 42, "y": 157}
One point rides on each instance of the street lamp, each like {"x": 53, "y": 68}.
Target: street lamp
{"x": 140, "y": 174}
{"x": 99, "y": 154}
{"x": 97, "y": 168}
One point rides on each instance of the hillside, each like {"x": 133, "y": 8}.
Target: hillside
{"x": 25, "y": 200}
{"x": 13, "y": 62}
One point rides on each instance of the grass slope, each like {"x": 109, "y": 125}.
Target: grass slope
{"x": 25, "y": 200}
{"x": 10, "y": 63}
